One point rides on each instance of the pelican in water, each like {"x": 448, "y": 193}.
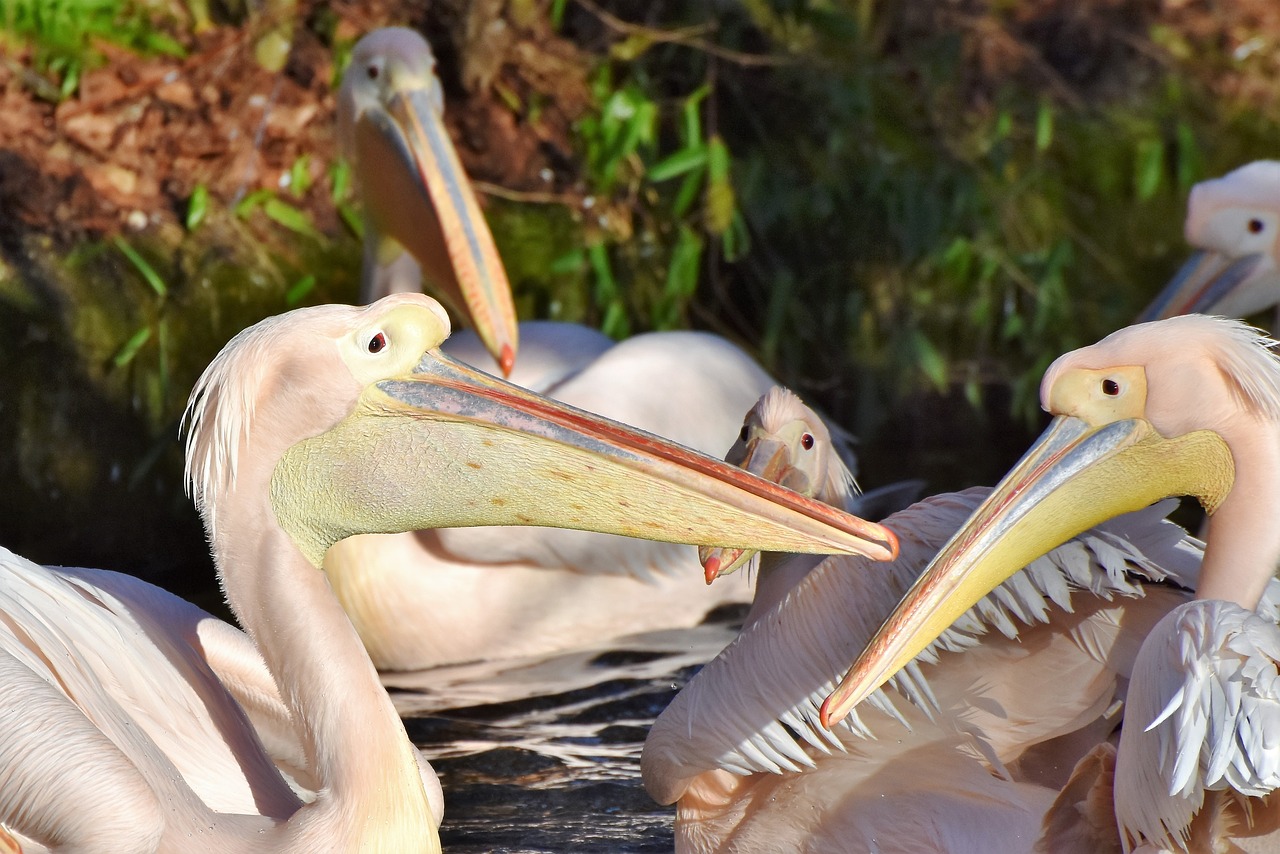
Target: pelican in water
{"x": 1234, "y": 224}
{"x": 532, "y": 591}
{"x": 135, "y": 722}
{"x": 969, "y": 748}
{"x": 1184, "y": 406}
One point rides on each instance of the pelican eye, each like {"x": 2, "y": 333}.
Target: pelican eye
{"x": 373, "y": 70}
{"x": 377, "y": 343}
{"x": 1256, "y": 226}
{"x": 1110, "y": 387}
{"x": 806, "y": 441}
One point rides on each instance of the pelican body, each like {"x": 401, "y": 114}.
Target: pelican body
{"x": 135, "y": 723}
{"x": 1184, "y": 406}
{"x": 971, "y": 748}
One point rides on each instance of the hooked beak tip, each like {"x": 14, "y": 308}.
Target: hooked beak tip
{"x": 891, "y": 543}
{"x": 824, "y": 713}
{"x": 711, "y": 569}
{"x": 841, "y": 701}
{"x": 507, "y": 360}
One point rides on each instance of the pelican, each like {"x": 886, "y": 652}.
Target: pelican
{"x": 1184, "y": 406}
{"x": 967, "y": 751}
{"x": 784, "y": 441}
{"x": 122, "y": 729}
{"x": 533, "y": 591}
{"x": 1234, "y": 223}
{"x": 420, "y": 213}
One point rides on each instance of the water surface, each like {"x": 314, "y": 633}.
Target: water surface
{"x": 542, "y": 755}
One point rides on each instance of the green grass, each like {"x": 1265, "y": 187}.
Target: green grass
{"x": 63, "y": 32}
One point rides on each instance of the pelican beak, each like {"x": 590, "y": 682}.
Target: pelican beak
{"x": 1075, "y": 476}
{"x": 768, "y": 459}
{"x": 417, "y": 194}
{"x": 451, "y": 446}
{"x": 717, "y": 560}
{"x": 1209, "y": 283}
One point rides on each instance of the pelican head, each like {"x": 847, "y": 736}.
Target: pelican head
{"x": 1234, "y": 223}
{"x": 399, "y": 437}
{"x": 415, "y": 194}
{"x": 783, "y": 441}
{"x": 1184, "y": 406}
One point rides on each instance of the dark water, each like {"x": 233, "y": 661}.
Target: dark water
{"x": 543, "y": 755}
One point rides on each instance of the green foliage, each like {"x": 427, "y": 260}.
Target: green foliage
{"x": 649, "y": 161}
{"x": 63, "y": 31}
{"x": 197, "y": 207}
{"x": 279, "y": 211}
{"x": 159, "y": 385}
{"x": 300, "y": 176}
{"x": 914, "y": 229}
{"x": 299, "y": 290}
{"x": 149, "y": 275}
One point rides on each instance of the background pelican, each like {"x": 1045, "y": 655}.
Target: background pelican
{"x": 784, "y": 441}
{"x": 120, "y": 737}
{"x": 556, "y": 589}
{"x": 1186, "y": 406}
{"x": 967, "y": 751}
{"x": 420, "y": 213}
{"x": 1234, "y": 223}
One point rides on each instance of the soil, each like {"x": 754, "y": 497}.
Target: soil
{"x": 143, "y": 132}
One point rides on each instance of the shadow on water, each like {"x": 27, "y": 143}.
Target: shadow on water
{"x": 542, "y": 755}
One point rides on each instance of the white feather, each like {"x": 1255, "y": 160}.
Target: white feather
{"x": 798, "y": 646}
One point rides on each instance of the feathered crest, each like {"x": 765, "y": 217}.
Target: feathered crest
{"x": 1253, "y": 184}
{"x": 220, "y": 410}
{"x": 1244, "y": 354}
{"x": 778, "y": 407}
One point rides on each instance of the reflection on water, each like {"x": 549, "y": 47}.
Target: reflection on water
{"x": 544, "y": 754}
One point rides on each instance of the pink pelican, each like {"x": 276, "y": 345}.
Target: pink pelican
{"x": 968, "y": 750}
{"x": 420, "y": 213}
{"x": 1185, "y": 406}
{"x": 532, "y": 591}
{"x": 124, "y": 727}
{"x": 1234, "y": 223}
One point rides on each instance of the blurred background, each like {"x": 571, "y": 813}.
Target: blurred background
{"x": 904, "y": 209}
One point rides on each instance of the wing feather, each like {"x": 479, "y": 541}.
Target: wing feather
{"x": 106, "y": 806}
{"x": 126, "y": 655}
{"x": 1206, "y": 681}
{"x": 798, "y": 646}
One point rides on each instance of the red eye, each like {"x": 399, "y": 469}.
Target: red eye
{"x": 806, "y": 441}
{"x": 1110, "y": 388}
{"x": 1256, "y": 226}
{"x": 377, "y": 343}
